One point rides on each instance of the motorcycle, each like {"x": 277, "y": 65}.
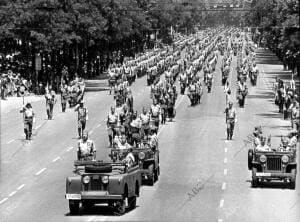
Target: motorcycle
{"x": 209, "y": 85}
{"x": 182, "y": 88}
{"x": 241, "y": 98}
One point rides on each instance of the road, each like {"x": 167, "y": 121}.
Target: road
{"x": 204, "y": 177}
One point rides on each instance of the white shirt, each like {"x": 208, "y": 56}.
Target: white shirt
{"x": 86, "y": 147}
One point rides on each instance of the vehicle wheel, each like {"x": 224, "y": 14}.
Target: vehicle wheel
{"x": 151, "y": 178}
{"x": 254, "y": 181}
{"x": 74, "y": 206}
{"x": 250, "y": 158}
{"x": 132, "y": 202}
{"x": 293, "y": 179}
{"x": 156, "y": 175}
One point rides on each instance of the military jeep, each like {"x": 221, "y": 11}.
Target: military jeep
{"x": 97, "y": 182}
{"x": 148, "y": 159}
{"x": 273, "y": 165}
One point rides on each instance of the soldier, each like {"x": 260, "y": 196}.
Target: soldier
{"x": 29, "y": 119}
{"x": 112, "y": 122}
{"x": 135, "y": 129}
{"x": 263, "y": 146}
{"x": 145, "y": 118}
{"x": 64, "y": 97}
{"x": 231, "y": 119}
{"x": 155, "y": 112}
{"x": 86, "y": 148}
{"x": 123, "y": 143}
{"x": 82, "y": 117}
{"x": 50, "y": 101}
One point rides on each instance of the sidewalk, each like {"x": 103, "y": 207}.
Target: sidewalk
{"x": 266, "y": 57}
{"x": 12, "y": 103}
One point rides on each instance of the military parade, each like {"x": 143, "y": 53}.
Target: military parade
{"x": 194, "y": 119}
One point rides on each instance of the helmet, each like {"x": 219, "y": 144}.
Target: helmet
{"x": 28, "y": 105}
{"x": 230, "y": 103}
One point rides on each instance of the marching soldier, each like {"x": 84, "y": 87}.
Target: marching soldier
{"x": 64, "y": 97}
{"x": 29, "y": 119}
{"x": 50, "y": 101}
{"x": 82, "y": 117}
{"x": 86, "y": 148}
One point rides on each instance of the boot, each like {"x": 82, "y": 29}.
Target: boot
{"x": 228, "y": 134}
{"x": 110, "y": 140}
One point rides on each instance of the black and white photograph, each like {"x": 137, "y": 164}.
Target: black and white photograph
{"x": 149, "y": 110}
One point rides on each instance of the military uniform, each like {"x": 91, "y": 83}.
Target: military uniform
{"x": 112, "y": 121}
{"x": 85, "y": 148}
{"x": 230, "y": 121}
{"x": 64, "y": 99}
{"x": 82, "y": 118}
{"x": 50, "y": 101}
{"x": 28, "y": 121}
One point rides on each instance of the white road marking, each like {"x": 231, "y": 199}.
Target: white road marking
{"x": 41, "y": 171}
{"x": 20, "y": 187}
{"x": 70, "y": 148}
{"x": 91, "y": 132}
{"x": 220, "y": 220}
{"x": 3, "y": 200}
{"x": 10, "y": 141}
{"x": 91, "y": 218}
{"x": 225, "y": 150}
{"x": 57, "y": 158}
{"x": 38, "y": 127}
{"x": 99, "y": 125}
{"x": 225, "y": 171}
{"x": 222, "y": 203}
{"x": 12, "y": 193}
{"x": 225, "y": 160}
{"x": 224, "y": 186}
{"x": 226, "y": 141}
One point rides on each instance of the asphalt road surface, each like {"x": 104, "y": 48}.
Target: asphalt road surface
{"x": 203, "y": 177}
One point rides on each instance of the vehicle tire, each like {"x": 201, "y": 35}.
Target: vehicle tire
{"x": 98, "y": 169}
{"x": 250, "y": 158}
{"x": 74, "y": 207}
{"x": 132, "y": 202}
{"x": 121, "y": 206}
{"x": 151, "y": 178}
{"x": 156, "y": 175}
{"x": 293, "y": 179}
{"x": 254, "y": 181}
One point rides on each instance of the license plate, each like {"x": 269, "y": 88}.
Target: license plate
{"x": 263, "y": 174}
{"x": 73, "y": 196}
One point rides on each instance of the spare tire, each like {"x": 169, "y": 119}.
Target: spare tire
{"x": 98, "y": 169}
{"x": 250, "y": 158}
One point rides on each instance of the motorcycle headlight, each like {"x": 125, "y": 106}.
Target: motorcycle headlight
{"x": 285, "y": 159}
{"x": 86, "y": 179}
{"x": 141, "y": 155}
{"x": 262, "y": 158}
{"x": 104, "y": 179}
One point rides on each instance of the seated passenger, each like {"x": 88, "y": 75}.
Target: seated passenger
{"x": 86, "y": 148}
{"x": 293, "y": 139}
{"x": 284, "y": 144}
{"x": 263, "y": 146}
{"x": 257, "y": 133}
{"x": 123, "y": 143}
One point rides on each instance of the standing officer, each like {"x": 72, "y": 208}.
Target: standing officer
{"x": 86, "y": 148}
{"x": 64, "y": 97}
{"x": 112, "y": 122}
{"x": 28, "y": 120}
{"x": 231, "y": 119}
{"x": 82, "y": 117}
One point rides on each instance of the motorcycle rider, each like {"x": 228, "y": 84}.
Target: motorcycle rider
{"x": 82, "y": 117}
{"x": 86, "y": 148}
{"x": 29, "y": 119}
{"x": 242, "y": 92}
{"x": 155, "y": 111}
{"x": 145, "y": 118}
{"x": 231, "y": 119}
{"x": 112, "y": 122}
{"x": 183, "y": 82}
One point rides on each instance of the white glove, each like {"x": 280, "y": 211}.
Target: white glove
{"x": 33, "y": 120}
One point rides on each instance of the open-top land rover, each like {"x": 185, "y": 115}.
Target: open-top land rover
{"x": 96, "y": 182}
